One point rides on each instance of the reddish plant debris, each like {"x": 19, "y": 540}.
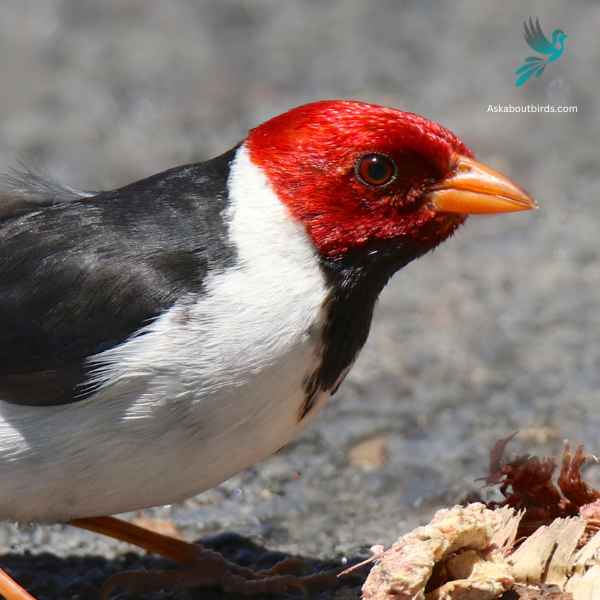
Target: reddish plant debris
{"x": 541, "y": 542}
{"x": 528, "y": 483}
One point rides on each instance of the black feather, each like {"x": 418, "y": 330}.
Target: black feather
{"x": 355, "y": 282}
{"x": 24, "y": 190}
{"x": 80, "y": 274}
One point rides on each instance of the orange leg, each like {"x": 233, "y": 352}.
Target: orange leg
{"x": 11, "y": 590}
{"x": 182, "y": 552}
{"x": 156, "y": 543}
{"x": 204, "y": 567}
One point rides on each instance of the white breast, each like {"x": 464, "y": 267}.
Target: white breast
{"x": 211, "y": 388}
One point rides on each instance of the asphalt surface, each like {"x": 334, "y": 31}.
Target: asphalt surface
{"x": 494, "y": 332}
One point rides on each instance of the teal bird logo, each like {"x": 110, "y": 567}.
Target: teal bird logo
{"x": 536, "y": 40}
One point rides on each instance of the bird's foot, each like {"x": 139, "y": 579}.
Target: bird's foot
{"x": 201, "y": 567}
{"x": 211, "y": 569}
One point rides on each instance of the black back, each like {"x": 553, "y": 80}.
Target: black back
{"x": 81, "y": 274}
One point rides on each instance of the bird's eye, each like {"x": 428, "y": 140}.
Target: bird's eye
{"x": 375, "y": 170}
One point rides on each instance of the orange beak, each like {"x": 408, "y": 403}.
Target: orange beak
{"x": 474, "y": 188}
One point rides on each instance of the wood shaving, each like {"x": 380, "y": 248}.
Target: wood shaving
{"x": 457, "y": 542}
{"x": 542, "y": 542}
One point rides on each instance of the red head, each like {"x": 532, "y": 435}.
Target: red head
{"x": 355, "y": 173}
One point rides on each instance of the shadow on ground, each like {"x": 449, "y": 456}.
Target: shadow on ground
{"x": 49, "y": 577}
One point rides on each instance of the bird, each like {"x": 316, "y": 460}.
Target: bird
{"x": 158, "y": 338}
{"x": 536, "y": 40}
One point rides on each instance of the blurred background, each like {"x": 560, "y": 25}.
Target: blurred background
{"x": 495, "y": 332}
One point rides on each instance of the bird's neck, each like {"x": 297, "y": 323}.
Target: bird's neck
{"x": 355, "y": 282}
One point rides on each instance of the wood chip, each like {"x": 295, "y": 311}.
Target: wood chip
{"x": 370, "y": 454}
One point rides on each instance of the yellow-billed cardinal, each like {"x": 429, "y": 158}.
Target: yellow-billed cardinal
{"x": 158, "y": 338}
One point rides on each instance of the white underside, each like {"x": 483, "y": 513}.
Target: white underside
{"x": 210, "y": 388}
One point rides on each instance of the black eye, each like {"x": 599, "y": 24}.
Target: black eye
{"x": 375, "y": 169}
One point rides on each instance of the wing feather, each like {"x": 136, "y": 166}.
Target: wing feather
{"x": 82, "y": 273}
{"x": 24, "y": 190}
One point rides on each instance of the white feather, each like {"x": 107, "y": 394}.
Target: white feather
{"x": 208, "y": 390}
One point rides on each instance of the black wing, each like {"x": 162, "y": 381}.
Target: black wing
{"x": 82, "y": 273}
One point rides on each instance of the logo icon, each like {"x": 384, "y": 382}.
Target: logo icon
{"x": 536, "y": 40}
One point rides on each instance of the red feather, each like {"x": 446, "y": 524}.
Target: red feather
{"x": 309, "y": 155}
